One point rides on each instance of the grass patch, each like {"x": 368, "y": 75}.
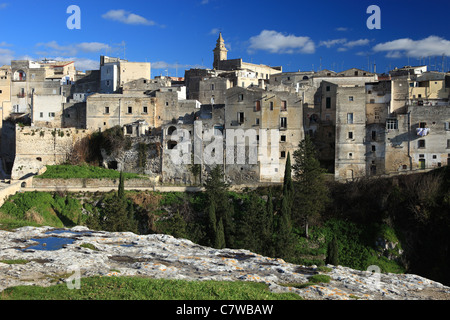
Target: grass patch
{"x": 135, "y": 288}
{"x": 313, "y": 280}
{"x": 84, "y": 172}
{"x": 324, "y": 269}
{"x": 19, "y": 261}
{"x": 89, "y": 246}
{"x": 320, "y": 278}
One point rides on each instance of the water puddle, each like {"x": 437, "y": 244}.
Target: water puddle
{"x": 49, "y": 244}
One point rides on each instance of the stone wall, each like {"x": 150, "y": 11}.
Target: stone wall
{"x": 90, "y": 183}
{"x": 37, "y": 147}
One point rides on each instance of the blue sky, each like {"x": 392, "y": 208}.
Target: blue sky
{"x": 175, "y": 35}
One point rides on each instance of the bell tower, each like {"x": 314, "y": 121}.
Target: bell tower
{"x": 220, "y": 52}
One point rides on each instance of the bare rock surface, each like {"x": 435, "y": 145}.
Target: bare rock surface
{"x": 53, "y": 255}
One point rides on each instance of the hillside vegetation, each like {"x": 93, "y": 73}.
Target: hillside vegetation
{"x": 410, "y": 213}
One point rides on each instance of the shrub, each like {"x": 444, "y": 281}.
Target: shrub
{"x": 320, "y": 278}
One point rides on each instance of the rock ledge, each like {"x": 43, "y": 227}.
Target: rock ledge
{"x": 97, "y": 253}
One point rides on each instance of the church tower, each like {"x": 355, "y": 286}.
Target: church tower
{"x": 220, "y": 52}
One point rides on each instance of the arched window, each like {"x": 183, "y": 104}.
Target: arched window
{"x": 20, "y": 75}
{"x": 171, "y": 144}
{"x": 171, "y": 130}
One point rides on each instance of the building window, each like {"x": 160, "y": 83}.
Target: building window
{"x": 240, "y": 117}
{"x": 350, "y": 135}
{"x": 448, "y": 143}
{"x": 257, "y": 121}
{"x": 271, "y": 105}
{"x": 283, "y": 154}
{"x": 421, "y": 144}
{"x": 350, "y": 118}
{"x": 240, "y": 97}
{"x": 374, "y": 136}
{"x": 434, "y": 156}
{"x": 130, "y": 110}
{"x": 374, "y": 148}
{"x": 283, "y": 138}
{"x": 392, "y": 124}
{"x": 328, "y": 88}
{"x": 350, "y": 155}
{"x": 283, "y": 105}
{"x": 107, "y": 83}
{"x": 106, "y": 109}
{"x": 283, "y": 123}
{"x": 447, "y": 126}
{"x": 212, "y": 87}
{"x": 350, "y": 98}
{"x": 51, "y": 114}
{"x": 145, "y": 109}
{"x": 328, "y": 103}
{"x": 258, "y": 105}
{"x": 41, "y": 114}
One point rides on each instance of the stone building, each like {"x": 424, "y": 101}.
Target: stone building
{"x": 276, "y": 118}
{"x": 115, "y": 72}
{"x": 5, "y": 92}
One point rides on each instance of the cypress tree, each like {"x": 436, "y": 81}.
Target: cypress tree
{"x": 212, "y": 223}
{"x": 217, "y": 192}
{"x": 333, "y": 252}
{"x": 285, "y": 239}
{"x": 219, "y": 242}
{"x": 121, "y": 191}
{"x": 311, "y": 197}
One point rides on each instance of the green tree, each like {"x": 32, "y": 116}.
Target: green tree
{"x": 216, "y": 191}
{"x": 311, "y": 196}
{"x": 288, "y": 185}
{"x": 212, "y": 223}
{"x": 284, "y": 236}
{"x": 219, "y": 242}
{"x": 333, "y": 252}
{"x": 178, "y": 226}
{"x": 121, "y": 190}
{"x": 118, "y": 213}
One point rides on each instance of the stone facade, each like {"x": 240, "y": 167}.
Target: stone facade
{"x": 36, "y": 147}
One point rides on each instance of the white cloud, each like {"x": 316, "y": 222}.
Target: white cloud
{"x": 276, "y": 42}
{"x": 162, "y": 65}
{"x": 92, "y": 46}
{"x": 6, "y": 56}
{"x": 360, "y": 42}
{"x": 86, "y": 64}
{"x": 331, "y": 43}
{"x": 205, "y": 2}
{"x": 345, "y": 44}
{"x": 342, "y": 29}
{"x": 127, "y": 18}
{"x": 214, "y": 31}
{"x": 3, "y": 5}
{"x": 428, "y": 47}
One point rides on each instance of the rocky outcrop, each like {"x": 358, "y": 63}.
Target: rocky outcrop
{"x": 60, "y": 253}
